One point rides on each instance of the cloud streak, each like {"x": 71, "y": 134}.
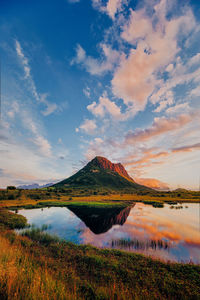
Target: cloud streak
{"x": 160, "y": 126}
{"x": 50, "y": 107}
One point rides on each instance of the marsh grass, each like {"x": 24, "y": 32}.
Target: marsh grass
{"x": 12, "y": 220}
{"x": 140, "y": 245}
{"x": 22, "y": 278}
{"x": 37, "y": 234}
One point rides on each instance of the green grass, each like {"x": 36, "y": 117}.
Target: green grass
{"x": 93, "y": 177}
{"x": 37, "y": 234}
{"x": 154, "y": 203}
{"x": 11, "y": 220}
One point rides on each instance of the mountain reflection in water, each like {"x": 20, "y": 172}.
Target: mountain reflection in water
{"x": 100, "y": 220}
{"x": 164, "y": 233}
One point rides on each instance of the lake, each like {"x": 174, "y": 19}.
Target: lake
{"x": 168, "y": 233}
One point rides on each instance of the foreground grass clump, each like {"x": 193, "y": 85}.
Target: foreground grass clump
{"x": 22, "y": 278}
{"x": 38, "y": 235}
{"x": 12, "y": 220}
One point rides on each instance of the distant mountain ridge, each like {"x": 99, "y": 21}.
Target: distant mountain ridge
{"x": 34, "y": 186}
{"x": 102, "y": 174}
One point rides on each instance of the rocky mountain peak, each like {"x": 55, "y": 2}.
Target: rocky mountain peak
{"x": 104, "y": 163}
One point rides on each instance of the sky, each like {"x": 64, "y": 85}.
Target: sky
{"x": 115, "y": 78}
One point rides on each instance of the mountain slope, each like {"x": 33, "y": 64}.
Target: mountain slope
{"x": 101, "y": 173}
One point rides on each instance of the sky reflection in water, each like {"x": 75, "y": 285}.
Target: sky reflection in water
{"x": 169, "y": 234}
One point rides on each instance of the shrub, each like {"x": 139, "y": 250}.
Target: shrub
{"x": 11, "y": 187}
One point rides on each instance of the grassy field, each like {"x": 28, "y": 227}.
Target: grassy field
{"x": 38, "y": 266}
{"x": 39, "y": 198}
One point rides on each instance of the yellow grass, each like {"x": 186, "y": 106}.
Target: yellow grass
{"x": 20, "y": 276}
{"x": 23, "y": 200}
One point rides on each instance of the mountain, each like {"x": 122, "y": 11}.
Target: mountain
{"x": 102, "y": 174}
{"x": 34, "y": 186}
{"x": 104, "y": 163}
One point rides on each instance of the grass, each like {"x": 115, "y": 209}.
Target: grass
{"x": 39, "y": 266}
{"x": 154, "y": 203}
{"x": 11, "y": 220}
{"x": 63, "y": 197}
{"x": 21, "y": 277}
{"x": 111, "y": 199}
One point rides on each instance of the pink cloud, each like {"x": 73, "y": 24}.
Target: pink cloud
{"x": 88, "y": 126}
{"x": 136, "y": 78}
{"x": 104, "y": 106}
{"x": 187, "y": 148}
{"x": 159, "y": 126}
{"x": 111, "y": 7}
{"x": 152, "y": 183}
{"x": 95, "y": 66}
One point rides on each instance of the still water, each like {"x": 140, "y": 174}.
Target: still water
{"x": 166, "y": 233}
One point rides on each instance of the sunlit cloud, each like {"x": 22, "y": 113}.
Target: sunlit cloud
{"x": 95, "y": 66}
{"x": 87, "y": 126}
{"x": 111, "y": 7}
{"x": 160, "y": 126}
{"x": 153, "y": 183}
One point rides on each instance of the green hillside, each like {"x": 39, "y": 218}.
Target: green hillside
{"x": 95, "y": 175}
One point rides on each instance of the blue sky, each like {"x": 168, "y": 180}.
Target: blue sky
{"x": 116, "y": 78}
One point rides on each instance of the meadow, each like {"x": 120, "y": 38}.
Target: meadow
{"x": 14, "y": 198}
{"x": 36, "y": 265}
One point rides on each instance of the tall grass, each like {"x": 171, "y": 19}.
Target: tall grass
{"x": 21, "y": 278}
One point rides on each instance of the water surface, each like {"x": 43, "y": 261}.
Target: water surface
{"x": 165, "y": 233}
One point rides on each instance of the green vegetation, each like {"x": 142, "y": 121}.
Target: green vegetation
{"x": 154, "y": 203}
{"x": 38, "y": 235}
{"x": 17, "y": 198}
{"x": 39, "y": 266}
{"x": 100, "y": 180}
{"x": 11, "y": 187}
{"x": 11, "y": 220}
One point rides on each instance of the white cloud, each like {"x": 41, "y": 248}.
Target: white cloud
{"x": 159, "y": 127}
{"x": 93, "y": 65}
{"x": 138, "y": 75}
{"x": 98, "y": 140}
{"x": 88, "y": 127}
{"x": 178, "y": 108}
{"x": 169, "y": 68}
{"x": 195, "y": 92}
{"x": 43, "y": 146}
{"x": 167, "y": 101}
{"x": 27, "y": 70}
{"x": 111, "y": 8}
{"x": 104, "y": 106}
{"x": 24, "y": 60}
{"x": 194, "y": 60}
{"x": 73, "y": 1}
{"x": 114, "y": 6}
{"x": 50, "y": 107}
{"x": 14, "y": 109}
{"x": 87, "y": 92}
